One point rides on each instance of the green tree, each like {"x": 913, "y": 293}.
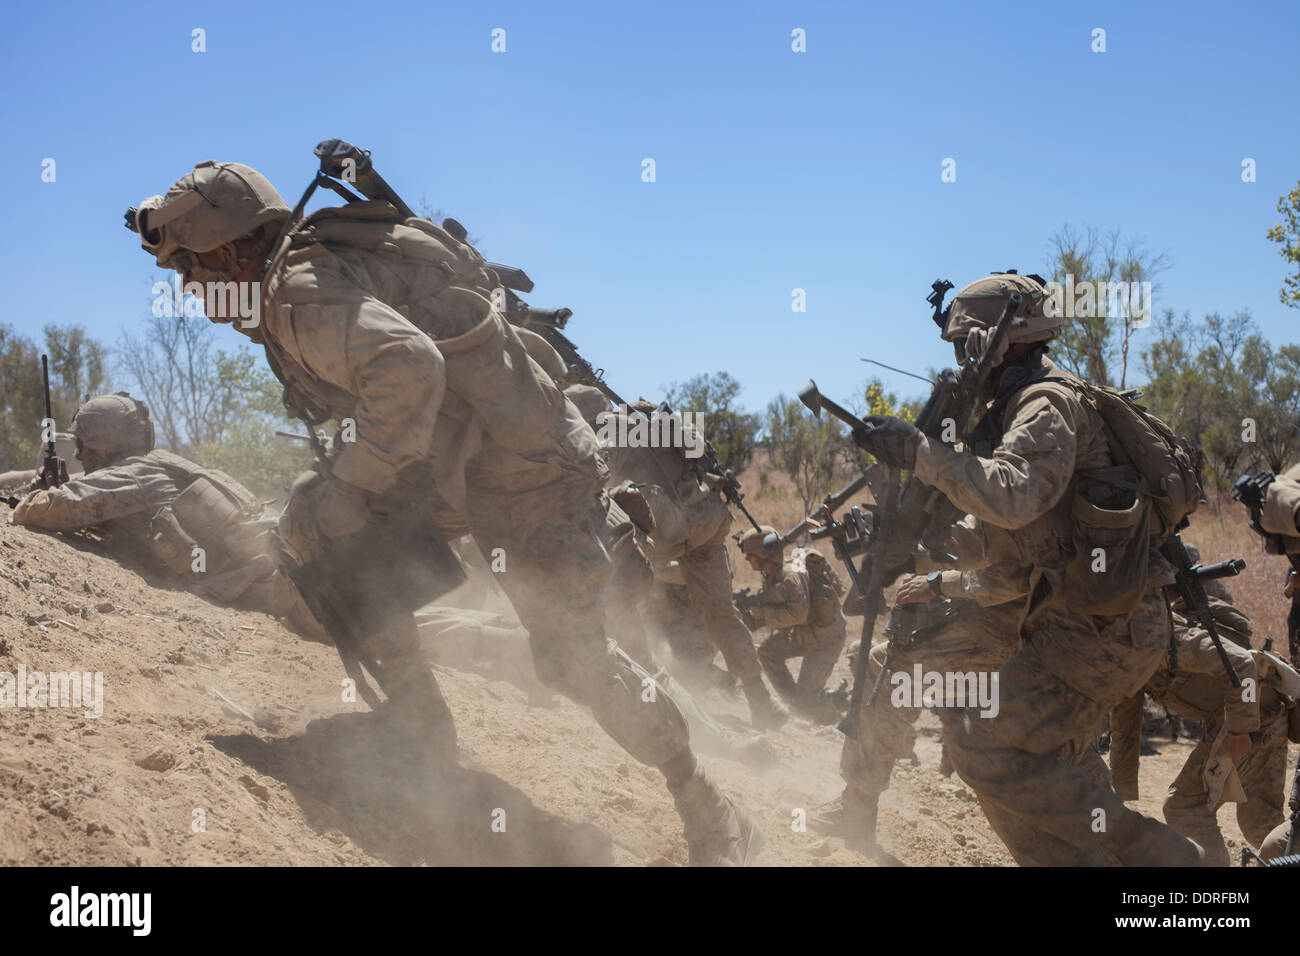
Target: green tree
{"x": 1219, "y": 383}
{"x": 1092, "y": 345}
{"x": 811, "y": 450}
{"x": 220, "y": 408}
{"x": 731, "y": 429}
{"x": 21, "y": 405}
{"x": 1287, "y": 235}
{"x": 76, "y": 373}
{"x": 248, "y": 448}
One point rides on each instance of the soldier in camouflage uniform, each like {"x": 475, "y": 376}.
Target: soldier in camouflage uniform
{"x": 691, "y": 520}
{"x": 1038, "y": 439}
{"x": 1243, "y": 727}
{"x": 199, "y": 525}
{"x": 1279, "y": 517}
{"x": 965, "y": 618}
{"x": 800, "y": 600}
{"x": 65, "y": 446}
{"x": 389, "y": 323}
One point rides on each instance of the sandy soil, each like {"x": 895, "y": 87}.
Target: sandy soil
{"x": 225, "y": 740}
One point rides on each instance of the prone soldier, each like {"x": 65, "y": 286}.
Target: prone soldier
{"x": 199, "y": 525}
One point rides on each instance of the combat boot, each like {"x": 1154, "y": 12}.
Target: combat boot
{"x": 417, "y": 709}
{"x": 764, "y": 712}
{"x": 852, "y": 818}
{"x": 719, "y": 832}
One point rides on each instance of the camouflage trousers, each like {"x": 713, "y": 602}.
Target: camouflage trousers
{"x": 1055, "y": 691}
{"x": 1274, "y": 844}
{"x": 1262, "y": 773}
{"x": 556, "y": 571}
{"x": 977, "y": 640}
{"x": 707, "y": 570}
{"x": 820, "y": 649}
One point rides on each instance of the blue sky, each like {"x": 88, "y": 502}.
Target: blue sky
{"x": 775, "y": 170}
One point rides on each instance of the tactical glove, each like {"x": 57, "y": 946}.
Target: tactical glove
{"x": 892, "y": 440}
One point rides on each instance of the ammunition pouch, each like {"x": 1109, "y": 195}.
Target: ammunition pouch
{"x": 489, "y": 368}
{"x": 169, "y": 542}
{"x": 1109, "y": 512}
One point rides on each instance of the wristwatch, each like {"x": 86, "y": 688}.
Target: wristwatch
{"x": 935, "y": 579}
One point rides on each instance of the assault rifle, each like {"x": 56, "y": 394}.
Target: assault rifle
{"x": 1188, "y": 586}
{"x": 913, "y": 514}
{"x": 54, "y": 470}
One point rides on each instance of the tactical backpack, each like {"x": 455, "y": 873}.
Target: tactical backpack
{"x": 1166, "y": 462}
{"x": 824, "y": 586}
{"x": 213, "y": 512}
{"x": 1119, "y": 514}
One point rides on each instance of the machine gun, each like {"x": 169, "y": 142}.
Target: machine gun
{"x": 915, "y": 514}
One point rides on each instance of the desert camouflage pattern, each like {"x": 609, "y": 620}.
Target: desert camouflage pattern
{"x": 1199, "y": 690}
{"x": 1072, "y": 669}
{"x": 391, "y": 324}
{"x": 132, "y": 500}
{"x": 691, "y": 522}
{"x": 807, "y": 623}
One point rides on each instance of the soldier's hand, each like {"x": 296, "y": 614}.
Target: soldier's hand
{"x": 892, "y": 440}
{"x": 341, "y": 509}
{"x": 1236, "y": 746}
{"x": 914, "y": 590}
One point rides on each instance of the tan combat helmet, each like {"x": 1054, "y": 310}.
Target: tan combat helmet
{"x": 590, "y": 401}
{"x": 764, "y": 542}
{"x": 976, "y": 309}
{"x": 114, "y": 426}
{"x": 215, "y": 204}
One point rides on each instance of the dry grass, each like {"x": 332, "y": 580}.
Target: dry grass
{"x": 1221, "y": 530}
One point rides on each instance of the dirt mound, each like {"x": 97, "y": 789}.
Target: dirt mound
{"x": 224, "y": 739}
